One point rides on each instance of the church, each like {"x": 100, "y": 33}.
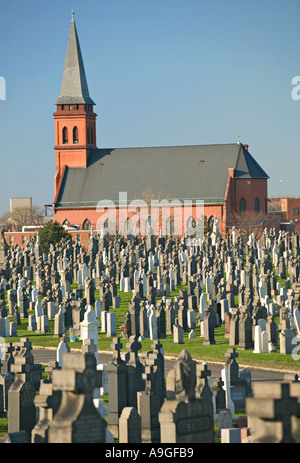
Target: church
{"x": 90, "y": 182}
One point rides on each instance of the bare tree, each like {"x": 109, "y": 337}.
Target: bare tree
{"x": 21, "y": 216}
{"x": 253, "y": 222}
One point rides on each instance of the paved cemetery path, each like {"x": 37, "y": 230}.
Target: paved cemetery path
{"x": 45, "y": 356}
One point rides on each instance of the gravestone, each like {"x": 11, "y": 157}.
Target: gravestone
{"x": 130, "y": 426}
{"x": 42, "y": 324}
{"x": 209, "y": 327}
{"x": 44, "y": 401}
{"x": 286, "y": 340}
{"x": 224, "y": 421}
{"x": 59, "y": 323}
{"x": 77, "y": 420}
{"x": 177, "y": 333}
{"x": 117, "y": 387}
{"x": 231, "y": 436}
{"x": 111, "y": 325}
{"x": 234, "y": 328}
{"x": 273, "y": 413}
{"x": 245, "y": 329}
{"x": 226, "y": 387}
{"x": 32, "y": 326}
{"x": 148, "y": 404}
{"x": 135, "y": 371}
{"x": 89, "y": 328}
{"x": 62, "y": 349}
{"x": 203, "y": 389}
{"x": 21, "y": 394}
{"x": 186, "y": 419}
{"x": 220, "y": 396}
{"x": 227, "y": 318}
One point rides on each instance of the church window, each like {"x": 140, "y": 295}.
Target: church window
{"x": 191, "y": 226}
{"x": 75, "y": 135}
{"x": 128, "y": 227}
{"x": 65, "y": 135}
{"x": 170, "y": 226}
{"x": 210, "y": 224}
{"x": 86, "y": 225}
{"x": 242, "y": 205}
{"x": 256, "y": 205}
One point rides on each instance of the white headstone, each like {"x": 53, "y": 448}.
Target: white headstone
{"x": 152, "y": 325}
{"x": 61, "y": 349}
{"x": 226, "y": 387}
{"x": 34, "y": 294}
{"x": 89, "y": 327}
{"x": 257, "y": 340}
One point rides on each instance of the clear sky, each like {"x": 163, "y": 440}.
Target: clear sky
{"x": 162, "y": 73}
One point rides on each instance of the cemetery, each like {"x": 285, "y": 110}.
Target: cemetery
{"x": 233, "y": 300}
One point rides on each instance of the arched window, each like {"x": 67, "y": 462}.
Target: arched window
{"x": 66, "y": 222}
{"x": 86, "y": 225}
{"x": 88, "y": 136}
{"x": 65, "y": 135}
{"x": 170, "y": 226}
{"x": 210, "y": 224}
{"x": 242, "y": 205}
{"x": 149, "y": 225}
{"x": 256, "y": 205}
{"x": 191, "y": 226}
{"x": 75, "y": 135}
{"x": 128, "y": 227}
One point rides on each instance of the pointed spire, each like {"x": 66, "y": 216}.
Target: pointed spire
{"x": 74, "y": 88}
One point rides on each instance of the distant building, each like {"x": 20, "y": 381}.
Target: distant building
{"x": 289, "y": 211}
{"x": 20, "y": 203}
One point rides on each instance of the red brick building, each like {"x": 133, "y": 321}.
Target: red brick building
{"x": 225, "y": 178}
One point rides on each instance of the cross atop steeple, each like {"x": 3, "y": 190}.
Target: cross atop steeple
{"x": 74, "y": 88}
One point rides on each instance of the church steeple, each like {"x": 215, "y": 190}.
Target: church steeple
{"x": 74, "y": 87}
{"x": 74, "y": 119}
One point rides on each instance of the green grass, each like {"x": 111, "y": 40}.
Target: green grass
{"x": 198, "y": 351}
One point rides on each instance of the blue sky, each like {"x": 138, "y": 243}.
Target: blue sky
{"x": 162, "y": 73}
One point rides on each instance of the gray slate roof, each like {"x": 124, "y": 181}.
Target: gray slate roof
{"x": 74, "y": 88}
{"x": 177, "y": 172}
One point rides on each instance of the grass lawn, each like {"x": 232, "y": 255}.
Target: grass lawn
{"x": 212, "y": 353}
